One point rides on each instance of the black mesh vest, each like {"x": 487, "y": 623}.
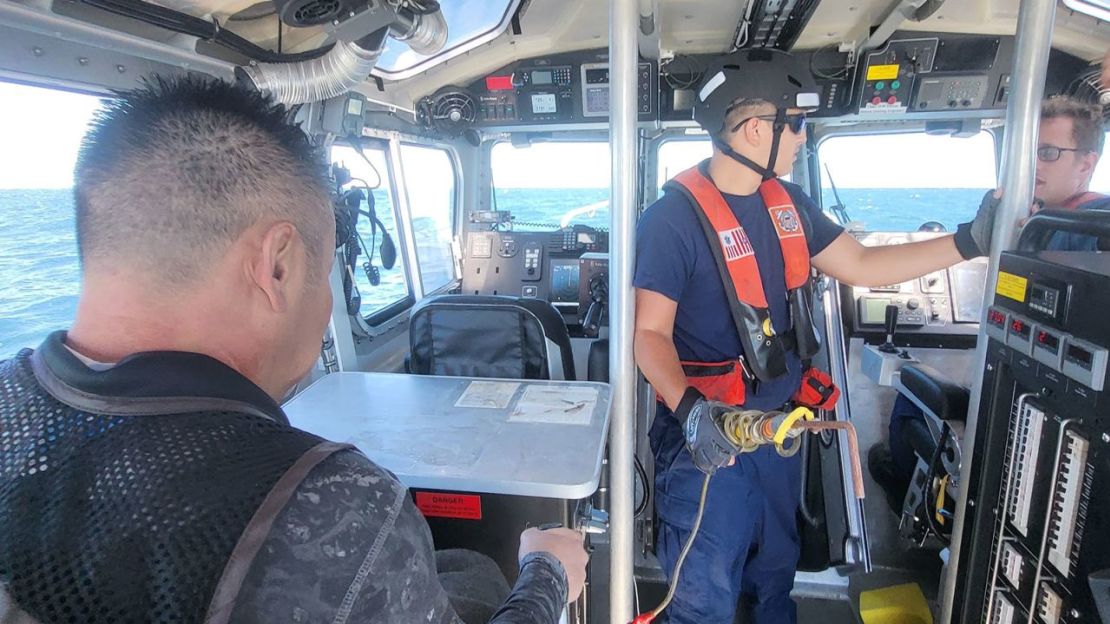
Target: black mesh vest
{"x": 127, "y": 517}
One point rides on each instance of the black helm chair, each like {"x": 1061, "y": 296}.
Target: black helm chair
{"x": 757, "y": 74}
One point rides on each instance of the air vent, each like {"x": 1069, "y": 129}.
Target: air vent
{"x": 302, "y": 13}
{"x": 1086, "y": 88}
{"x": 448, "y": 111}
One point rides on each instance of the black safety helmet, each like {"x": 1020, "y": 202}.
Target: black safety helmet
{"x": 754, "y": 74}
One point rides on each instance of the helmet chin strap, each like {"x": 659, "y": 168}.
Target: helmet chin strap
{"x": 767, "y": 172}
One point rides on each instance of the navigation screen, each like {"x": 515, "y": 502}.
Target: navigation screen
{"x": 874, "y": 311}
{"x": 564, "y": 281}
{"x": 543, "y": 103}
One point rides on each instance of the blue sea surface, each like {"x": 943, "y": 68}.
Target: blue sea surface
{"x": 40, "y": 275}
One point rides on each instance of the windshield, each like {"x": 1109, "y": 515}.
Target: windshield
{"x": 552, "y": 185}
{"x": 898, "y": 182}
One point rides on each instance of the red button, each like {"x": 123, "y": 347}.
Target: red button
{"x": 876, "y": 100}
{"x": 892, "y": 99}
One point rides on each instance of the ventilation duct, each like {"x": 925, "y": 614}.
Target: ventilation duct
{"x": 350, "y": 61}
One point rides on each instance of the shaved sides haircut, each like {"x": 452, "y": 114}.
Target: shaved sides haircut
{"x": 741, "y": 109}
{"x": 171, "y": 174}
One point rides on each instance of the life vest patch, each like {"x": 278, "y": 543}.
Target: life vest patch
{"x": 735, "y": 244}
{"x": 786, "y": 222}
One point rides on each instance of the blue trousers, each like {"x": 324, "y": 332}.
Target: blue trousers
{"x": 748, "y": 541}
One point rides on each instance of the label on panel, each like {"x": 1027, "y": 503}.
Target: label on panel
{"x": 1011, "y": 286}
{"x": 449, "y": 505}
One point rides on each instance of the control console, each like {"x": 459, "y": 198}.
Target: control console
{"x": 938, "y": 309}
{"x": 561, "y": 267}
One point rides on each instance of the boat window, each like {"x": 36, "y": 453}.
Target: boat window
{"x": 898, "y": 182}
{"x": 1100, "y": 181}
{"x": 430, "y": 184}
{"x": 39, "y": 269}
{"x": 471, "y": 23}
{"x": 678, "y": 155}
{"x": 552, "y": 185}
{"x": 392, "y": 284}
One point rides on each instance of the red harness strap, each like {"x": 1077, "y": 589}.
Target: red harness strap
{"x": 735, "y": 247}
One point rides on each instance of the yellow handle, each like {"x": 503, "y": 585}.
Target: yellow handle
{"x": 768, "y": 328}
{"x": 940, "y": 500}
{"x": 798, "y": 414}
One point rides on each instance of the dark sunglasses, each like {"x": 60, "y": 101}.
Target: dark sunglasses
{"x": 1051, "y": 153}
{"x": 796, "y": 122}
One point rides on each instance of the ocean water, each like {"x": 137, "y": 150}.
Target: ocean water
{"x": 40, "y": 275}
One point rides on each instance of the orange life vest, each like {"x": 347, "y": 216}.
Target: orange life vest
{"x": 1077, "y": 200}
{"x": 764, "y": 351}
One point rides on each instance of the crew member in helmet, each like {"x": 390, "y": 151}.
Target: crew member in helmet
{"x": 723, "y": 302}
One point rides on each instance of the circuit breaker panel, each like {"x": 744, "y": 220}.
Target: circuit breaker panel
{"x": 1035, "y": 544}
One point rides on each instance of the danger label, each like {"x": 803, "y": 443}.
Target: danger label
{"x": 446, "y": 505}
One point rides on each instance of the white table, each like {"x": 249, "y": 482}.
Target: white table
{"x": 525, "y": 438}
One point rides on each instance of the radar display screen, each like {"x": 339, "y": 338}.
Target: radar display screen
{"x": 564, "y": 281}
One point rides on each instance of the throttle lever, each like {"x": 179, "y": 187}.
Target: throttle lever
{"x": 891, "y": 328}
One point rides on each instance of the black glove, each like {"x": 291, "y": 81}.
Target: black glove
{"x": 703, "y": 428}
{"x": 973, "y": 239}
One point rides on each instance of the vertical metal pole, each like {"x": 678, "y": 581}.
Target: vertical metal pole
{"x": 624, "y": 17}
{"x": 1034, "y": 41}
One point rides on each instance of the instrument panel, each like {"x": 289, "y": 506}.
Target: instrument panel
{"x": 564, "y": 267}
{"x": 560, "y": 88}
{"x": 941, "y": 308}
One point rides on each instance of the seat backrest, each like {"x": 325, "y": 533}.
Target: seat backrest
{"x": 489, "y": 336}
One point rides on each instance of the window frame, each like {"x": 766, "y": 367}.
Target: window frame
{"x": 381, "y": 321}
{"x": 817, "y": 176}
{"x": 456, "y": 171}
{"x": 489, "y": 146}
{"x": 511, "y": 10}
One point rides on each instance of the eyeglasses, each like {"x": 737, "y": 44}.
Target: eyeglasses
{"x": 796, "y": 122}
{"x": 1051, "y": 153}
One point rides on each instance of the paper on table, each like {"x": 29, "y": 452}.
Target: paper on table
{"x": 488, "y": 394}
{"x": 561, "y": 405}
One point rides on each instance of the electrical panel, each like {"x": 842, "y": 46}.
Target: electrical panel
{"x": 1040, "y": 487}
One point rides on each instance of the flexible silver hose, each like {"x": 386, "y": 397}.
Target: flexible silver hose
{"x": 346, "y": 65}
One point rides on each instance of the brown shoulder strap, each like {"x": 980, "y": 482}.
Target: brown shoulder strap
{"x": 254, "y": 535}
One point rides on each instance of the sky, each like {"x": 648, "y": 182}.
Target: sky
{"x": 40, "y": 132}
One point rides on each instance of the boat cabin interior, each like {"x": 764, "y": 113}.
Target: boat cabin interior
{"x": 490, "y": 159}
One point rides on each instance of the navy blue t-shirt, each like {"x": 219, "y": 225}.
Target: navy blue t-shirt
{"x": 1069, "y": 241}
{"x": 673, "y": 258}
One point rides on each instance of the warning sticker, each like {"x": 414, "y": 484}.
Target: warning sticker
{"x": 1012, "y": 286}
{"x": 882, "y": 72}
{"x": 448, "y": 505}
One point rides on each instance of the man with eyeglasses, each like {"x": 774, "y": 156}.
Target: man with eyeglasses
{"x": 1070, "y": 141}
{"x": 1069, "y": 144}
{"x": 724, "y": 321}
